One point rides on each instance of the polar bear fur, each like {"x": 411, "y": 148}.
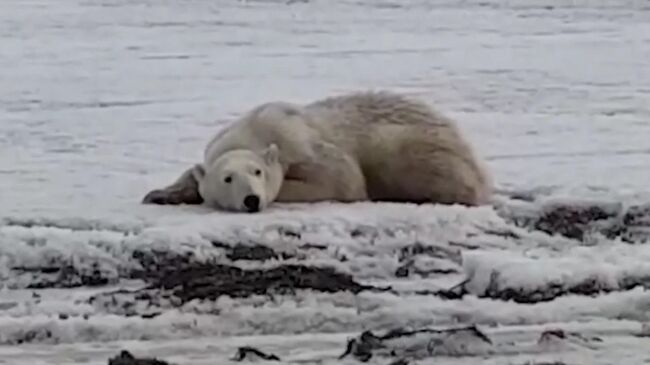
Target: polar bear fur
{"x": 376, "y": 146}
{"x": 241, "y": 179}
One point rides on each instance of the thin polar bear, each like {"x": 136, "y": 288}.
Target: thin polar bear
{"x": 365, "y": 146}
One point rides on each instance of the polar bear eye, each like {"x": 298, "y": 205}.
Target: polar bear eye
{"x": 228, "y": 179}
{"x": 258, "y": 172}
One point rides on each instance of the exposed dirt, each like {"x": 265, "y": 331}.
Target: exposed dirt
{"x": 254, "y": 252}
{"x": 248, "y": 352}
{"x": 209, "y": 281}
{"x": 577, "y": 221}
{"x": 184, "y": 278}
{"x": 364, "y": 347}
{"x": 126, "y": 358}
{"x": 64, "y": 276}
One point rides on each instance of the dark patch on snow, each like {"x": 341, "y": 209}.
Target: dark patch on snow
{"x": 402, "y": 343}
{"x": 576, "y": 338}
{"x": 126, "y": 358}
{"x": 502, "y": 233}
{"x": 153, "y": 260}
{"x": 409, "y": 268}
{"x": 403, "y": 271}
{"x": 416, "y": 249}
{"x": 209, "y": 281}
{"x": 636, "y": 224}
{"x": 456, "y": 292}
{"x": 173, "y": 279}
{"x": 313, "y": 246}
{"x": 243, "y": 353}
{"x": 65, "y": 276}
{"x": 573, "y": 221}
{"x": 577, "y": 220}
{"x": 408, "y": 254}
{"x": 290, "y": 233}
{"x": 638, "y": 215}
{"x": 254, "y": 252}
{"x": 248, "y": 352}
{"x": 399, "y": 362}
{"x": 529, "y": 195}
{"x": 589, "y": 287}
{"x": 463, "y": 245}
{"x": 523, "y": 196}
{"x": 29, "y": 336}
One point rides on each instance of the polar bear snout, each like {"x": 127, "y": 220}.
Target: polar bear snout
{"x": 252, "y": 203}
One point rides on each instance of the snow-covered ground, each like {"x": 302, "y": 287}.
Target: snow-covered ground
{"x": 102, "y": 101}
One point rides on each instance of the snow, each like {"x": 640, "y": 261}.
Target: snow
{"x": 102, "y": 101}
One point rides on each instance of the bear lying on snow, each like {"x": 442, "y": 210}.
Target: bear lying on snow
{"x": 376, "y": 146}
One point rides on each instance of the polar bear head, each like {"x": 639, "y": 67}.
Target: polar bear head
{"x": 241, "y": 180}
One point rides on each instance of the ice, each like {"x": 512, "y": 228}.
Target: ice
{"x": 102, "y": 101}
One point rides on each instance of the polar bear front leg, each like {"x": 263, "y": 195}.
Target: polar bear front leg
{"x": 332, "y": 175}
{"x": 185, "y": 190}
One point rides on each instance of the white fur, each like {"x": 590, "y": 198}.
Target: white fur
{"x": 236, "y": 174}
{"x": 363, "y": 146}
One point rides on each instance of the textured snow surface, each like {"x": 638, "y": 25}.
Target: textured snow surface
{"x": 102, "y": 101}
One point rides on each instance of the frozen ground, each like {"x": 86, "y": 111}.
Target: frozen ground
{"x": 102, "y": 101}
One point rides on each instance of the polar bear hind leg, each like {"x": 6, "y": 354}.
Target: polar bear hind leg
{"x": 426, "y": 171}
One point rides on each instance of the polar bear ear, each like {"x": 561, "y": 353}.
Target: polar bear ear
{"x": 271, "y": 154}
{"x": 198, "y": 172}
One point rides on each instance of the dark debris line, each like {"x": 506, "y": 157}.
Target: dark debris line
{"x": 588, "y": 287}
{"x": 254, "y": 252}
{"x": 363, "y": 347}
{"x": 368, "y": 344}
{"x": 126, "y": 358}
{"x": 243, "y": 353}
{"x": 247, "y": 352}
{"x": 65, "y": 276}
{"x": 189, "y": 279}
{"x": 631, "y": 224}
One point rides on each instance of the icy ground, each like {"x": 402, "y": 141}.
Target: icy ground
{"x": 103, "y": 100}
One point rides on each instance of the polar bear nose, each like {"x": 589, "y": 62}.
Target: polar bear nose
{"x": 252, "y": 203}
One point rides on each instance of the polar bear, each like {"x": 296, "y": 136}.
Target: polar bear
{"x": 362, "y": 146}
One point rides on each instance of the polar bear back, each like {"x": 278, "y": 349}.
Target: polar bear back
{"x": 367, "y": 125}
{"x": 374, "y": 126}
{"x": 403, "y": 146}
